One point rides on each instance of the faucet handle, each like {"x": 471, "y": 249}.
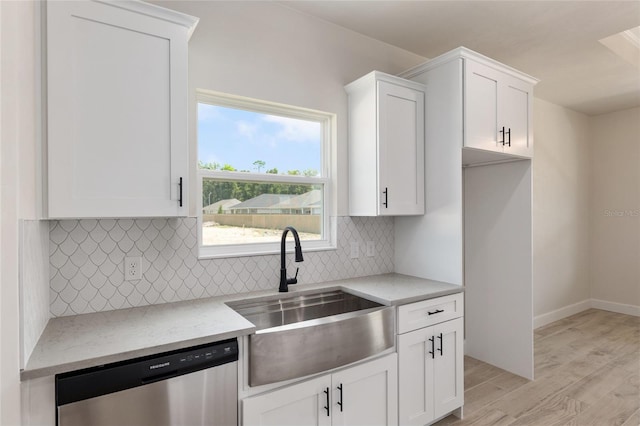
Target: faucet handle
{"x": 294, "y": 280}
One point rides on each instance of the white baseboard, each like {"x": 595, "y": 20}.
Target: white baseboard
{"x": 567, "y": 311}
{"x": 620, "y": 308}
{"x": 558, "y": 314}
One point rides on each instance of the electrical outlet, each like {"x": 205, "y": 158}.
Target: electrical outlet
{"x": 371, "y": 248}
{"x": 132, "y": 268}
{"x": 355, "y": 250}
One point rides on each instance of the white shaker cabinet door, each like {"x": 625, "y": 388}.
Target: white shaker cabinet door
{"x": 304, "y": 404}
{"x": 415, "y": 375}
{"x": 366, "y": 394}
{"x": 401, "y": 149}
{"x": 516, "y": 112}
{"x": 116, "y": 111}
{"x": 481, "y": 107}
{"x": 448, "y": 367}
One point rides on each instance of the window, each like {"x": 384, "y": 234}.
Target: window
{"x": 261, "y": 167}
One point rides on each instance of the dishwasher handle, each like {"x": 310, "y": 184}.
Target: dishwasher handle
{"x": 159, "y": 377}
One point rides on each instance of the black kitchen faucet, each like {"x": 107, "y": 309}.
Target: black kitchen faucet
{"x": 284, "y": 282}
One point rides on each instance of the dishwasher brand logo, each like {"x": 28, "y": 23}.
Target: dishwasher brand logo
{"x": 164, "y": 364}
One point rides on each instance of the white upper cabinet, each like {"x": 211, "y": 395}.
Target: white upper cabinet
{"x": 497, "y": 110}
{"x": 116, "y": 109}
{"x": 386, "y": 146}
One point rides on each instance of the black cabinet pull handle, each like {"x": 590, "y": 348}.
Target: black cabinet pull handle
{"x": 326, "y": 407}
{"x": 509, "y": 134}
{"x": 433, "y": 347}
{"x": 386, "y": 198}
{"x": 180, "y": 186}
{"x": 340, "y": 402}
{"x": 502, "y": 141}
{"x": 440, "y": 349}
{"x": 437, "y": 311}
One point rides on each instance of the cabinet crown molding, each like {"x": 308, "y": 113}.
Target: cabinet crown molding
{"x": 465, "y": 53}
{"x": 368, "y": 79}
{"x": 158, "y": 12}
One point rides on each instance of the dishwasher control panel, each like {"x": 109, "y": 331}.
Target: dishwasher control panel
{"x": 210, "y": 353}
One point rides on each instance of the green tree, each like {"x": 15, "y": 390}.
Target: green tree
{"x": 259, "y": 164}
{"x": 209, "y": 166}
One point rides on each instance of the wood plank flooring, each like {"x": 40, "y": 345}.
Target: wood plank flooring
{"x": 587, "y": 373}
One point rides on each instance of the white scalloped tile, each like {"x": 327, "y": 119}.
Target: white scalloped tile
{"x": 87, "y": 275}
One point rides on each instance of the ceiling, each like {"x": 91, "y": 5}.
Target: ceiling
{"x": 554, "y": 41}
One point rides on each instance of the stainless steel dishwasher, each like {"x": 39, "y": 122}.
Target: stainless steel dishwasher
{"x": 194, "y": 386}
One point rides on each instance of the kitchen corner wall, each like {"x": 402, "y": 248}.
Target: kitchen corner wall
{"x": 615, "y": 210}
{"x": 560, "y": 208}
{"x": 87, "y": 263}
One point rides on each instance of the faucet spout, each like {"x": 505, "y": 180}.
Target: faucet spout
{"x": 284, "y": 281}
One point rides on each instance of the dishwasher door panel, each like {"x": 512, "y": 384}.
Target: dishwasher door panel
{"x": 205, "y": 397}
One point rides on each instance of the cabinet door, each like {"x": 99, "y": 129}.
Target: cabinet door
{"x": 366, "y": 394}
{"x": 116, "y": 112}
{"x": 298, "y": 405}
{"x": 481, "y": 107}
{"x": 448, "y": 367}
{"x": 401, "y": 150}
{"x": 415, "y": 376}
{"x": 516, "y": 100}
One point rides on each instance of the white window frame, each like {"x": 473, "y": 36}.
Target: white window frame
{"x": 328, "y": 126}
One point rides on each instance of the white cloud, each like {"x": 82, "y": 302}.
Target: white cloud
{"x": 246, "y": 129}
{"x": 295, "y": 130}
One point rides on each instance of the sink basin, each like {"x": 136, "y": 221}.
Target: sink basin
{"x": 302, "y": 334}
{"x": 295, "y": 308}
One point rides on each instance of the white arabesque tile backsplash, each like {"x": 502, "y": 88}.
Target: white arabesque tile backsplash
{"x": 86, "y": 260}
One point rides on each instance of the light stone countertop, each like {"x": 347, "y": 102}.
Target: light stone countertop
{"x": 88, "y": 340}
{"x": 397, "y": 289}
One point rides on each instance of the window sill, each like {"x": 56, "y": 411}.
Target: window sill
{"x": 246, "y": 250}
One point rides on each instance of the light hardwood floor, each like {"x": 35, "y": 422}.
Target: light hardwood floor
{"x": 587, "y": 373}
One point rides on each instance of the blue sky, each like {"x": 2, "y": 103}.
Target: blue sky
{"x": 237, "y": 137}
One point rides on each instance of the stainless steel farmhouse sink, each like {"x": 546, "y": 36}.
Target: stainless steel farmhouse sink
{"x": 302, "y": 334}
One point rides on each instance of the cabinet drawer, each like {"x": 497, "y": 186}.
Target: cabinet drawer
{"x": 429, "y": 312}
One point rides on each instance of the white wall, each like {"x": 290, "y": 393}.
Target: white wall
{"x": 615, "y": 208}
{"x": 560, "y": 208}
{"x": 17, "y": 179}
{"x": 267, "y": 51}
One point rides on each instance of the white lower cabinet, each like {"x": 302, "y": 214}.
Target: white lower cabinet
{"x": 430, "y": 372}
{"x": 365, "y": 394}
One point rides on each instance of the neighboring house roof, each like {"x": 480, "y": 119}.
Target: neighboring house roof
{"x": 262, "y": 201}
{"x": 282, "y": 201}
{"x": 308, "y": 199}
{"x": 224, "y": 203}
